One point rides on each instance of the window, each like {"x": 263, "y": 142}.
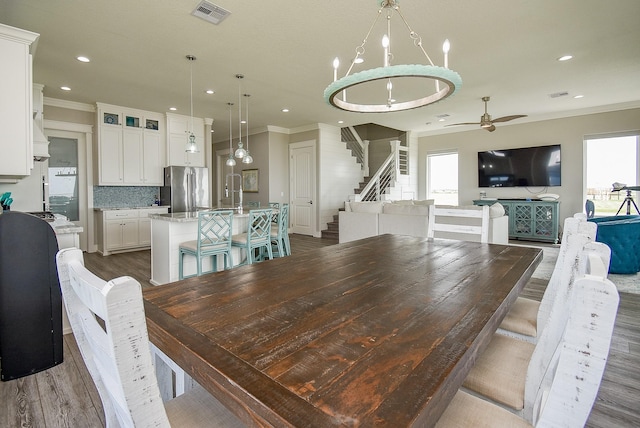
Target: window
{"x": 442, "y": 178}
{"x": 612, "y": 159}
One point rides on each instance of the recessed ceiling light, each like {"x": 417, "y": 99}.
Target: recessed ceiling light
{"x": 565, "y": 57}
{"x": 578, "y": 96}
{"x": 65, "y": 88}
{"x": 173, "y": 108}
{"x": 285, "y": 110}
{"x": 341, "y": 122}
{"x": 442, "y": 119}
{"x": 210, "y": 91}
{"x": 83, "y": 59}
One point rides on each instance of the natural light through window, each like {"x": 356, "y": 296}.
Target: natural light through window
{"x": 442, "y": 178}
{"x": 611, "y": 160}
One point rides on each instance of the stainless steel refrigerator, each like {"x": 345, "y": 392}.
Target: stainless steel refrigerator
{"x": 186, "y": 188}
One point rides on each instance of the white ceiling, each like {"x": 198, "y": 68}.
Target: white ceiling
{"x": 503, "y": 49}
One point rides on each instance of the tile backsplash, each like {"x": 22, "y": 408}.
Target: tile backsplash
{"x": 124, "y": 196}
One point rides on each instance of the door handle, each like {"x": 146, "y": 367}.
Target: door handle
{"x": 310, "y": 202}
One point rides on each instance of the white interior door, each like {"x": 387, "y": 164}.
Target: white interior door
{"x": 302, "y": 174}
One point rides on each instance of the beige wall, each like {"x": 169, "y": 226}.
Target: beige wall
{"x": 569, "y": 132}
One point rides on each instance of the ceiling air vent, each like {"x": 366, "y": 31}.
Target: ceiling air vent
{"x": 559, "y": 94}
{"x": 210, "y": 12}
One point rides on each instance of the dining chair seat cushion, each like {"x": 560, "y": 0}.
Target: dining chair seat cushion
{"x": 197, "y": 408}
{"x": 466, "y": 410}
{"x": 274, "y": 231}
{"x": 522, "y": 318}
{"x": 500, "y": 372}
{"x": 193, "y": 246}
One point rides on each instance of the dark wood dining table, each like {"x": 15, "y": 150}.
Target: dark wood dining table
{"x": 376, "y": 332}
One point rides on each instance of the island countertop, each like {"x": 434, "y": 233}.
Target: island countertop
{"x": 193, "y": 215}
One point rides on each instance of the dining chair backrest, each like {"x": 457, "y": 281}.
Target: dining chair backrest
{"x": 590, "y": 208}
{"x": 274, "y": 205}
{"x": 571, "y": 226}
{"x": 259, "y": 226}
{"x": 587, "y": 257}
{"x": 253, "y": 204}
{"x": 458, "y": 221}
{"x": 214, "y": 229}
{"x": 116, "y": 348}
{"x": 569, "y": 387}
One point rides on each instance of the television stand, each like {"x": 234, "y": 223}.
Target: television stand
{"x": 530, "y": 220}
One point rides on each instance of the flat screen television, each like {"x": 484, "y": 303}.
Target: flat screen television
{"x": 524, "y": 167}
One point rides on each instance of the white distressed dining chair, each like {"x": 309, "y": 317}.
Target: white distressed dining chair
{"x": 215, "y": 229}
{"x": 281, "y": 245}
{"x": 564, "y": 394}
{"x": 257, "y": 239}
{"x": 510, "y": 371}
{"x": 465, "y": 221}
{"x": 109, "y": 325}
{"x": 527, "y": 317}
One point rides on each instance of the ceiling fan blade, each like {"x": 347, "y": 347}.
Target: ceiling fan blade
{"x": 491, "y": 128}
{"x": 508, "y": 118}
{"x": 464, "y": 123}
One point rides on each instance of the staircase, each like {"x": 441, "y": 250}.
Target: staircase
{"x": 333, "y": 228}
{"x": 378, "y": 187}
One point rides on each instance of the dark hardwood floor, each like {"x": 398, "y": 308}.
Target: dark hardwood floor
{"x": 64, "y": 396}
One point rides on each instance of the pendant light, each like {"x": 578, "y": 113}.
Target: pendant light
{"x": 230, "y": 161}
{"x": 240, "y": 151}
{"x": 247, "y": 158}
{"x": 191, "y": 146}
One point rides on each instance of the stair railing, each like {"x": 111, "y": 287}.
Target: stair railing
{"x": 359, "y": 147}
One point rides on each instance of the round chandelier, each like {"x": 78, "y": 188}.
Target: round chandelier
{"x": 446, "y": 82}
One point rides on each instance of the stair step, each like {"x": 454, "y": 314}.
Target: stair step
{"x": 333, "y": 226}
{"x": 330, "y": 234}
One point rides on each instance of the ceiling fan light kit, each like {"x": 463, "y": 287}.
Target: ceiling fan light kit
{"x": 447, "y": 82}
{"x": 485, "y": 120}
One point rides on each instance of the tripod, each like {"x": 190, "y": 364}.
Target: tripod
{"x": 628, "y": 200}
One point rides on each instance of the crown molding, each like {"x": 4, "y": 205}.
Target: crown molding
{"x": 71, "y": 105}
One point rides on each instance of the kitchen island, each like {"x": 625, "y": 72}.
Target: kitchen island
{"x": 168, "y": 231}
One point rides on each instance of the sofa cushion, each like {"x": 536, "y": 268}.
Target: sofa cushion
{"x": 367, "y": 207}
{"x": 405, "y": 209}
{"x": 403, "y": 202}
{"x": 424, "y": 202}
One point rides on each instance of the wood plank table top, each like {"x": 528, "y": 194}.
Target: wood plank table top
{"x": 376, "y": 332}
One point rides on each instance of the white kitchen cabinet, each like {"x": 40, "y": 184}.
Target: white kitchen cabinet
{"x": 16, "y": 132}
{"x": 126, "y": 229}
{"x": 131, "y": 152}
{"x": 110, "y": 155}
{"x": 178, "y": 129}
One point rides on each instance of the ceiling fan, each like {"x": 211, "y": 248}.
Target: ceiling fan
{"x": 485, "y": 120}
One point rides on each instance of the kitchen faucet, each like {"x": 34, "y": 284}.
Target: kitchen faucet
{"x": 239, "y": 191}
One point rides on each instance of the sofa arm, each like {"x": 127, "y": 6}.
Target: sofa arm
{"x": 357, "y": 225}
{"x": 499, "y": 230}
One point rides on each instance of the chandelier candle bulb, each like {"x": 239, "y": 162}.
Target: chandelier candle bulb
{"x": 385, "y": 45}
{"x": 445, "y": 48}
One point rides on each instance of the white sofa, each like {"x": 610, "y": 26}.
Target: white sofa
{"x": 364, "y": 219}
